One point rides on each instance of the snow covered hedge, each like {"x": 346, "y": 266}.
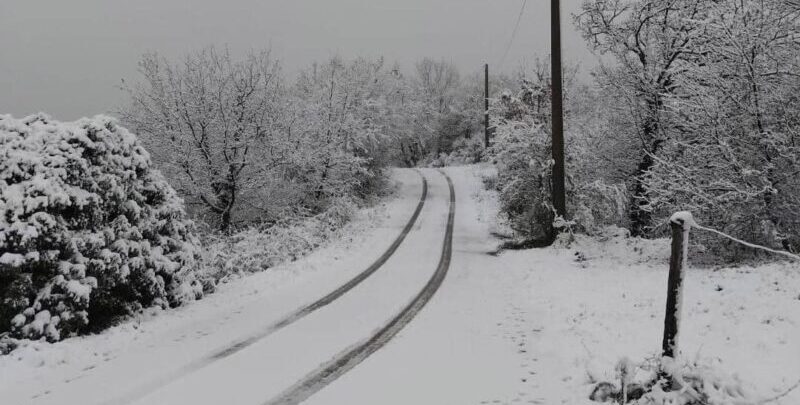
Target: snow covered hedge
{"x": 260, "y": 248}
{"x": 88, "y": 230}
{"x": 521, "y": 152}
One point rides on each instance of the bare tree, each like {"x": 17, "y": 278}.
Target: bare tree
{"x": 342, "y": 104}
{"x": 735, "y": 159}
{"x": 436, "y": 85}
{"x": 437, "y": 80}
{"x": 650, "y": 41}
{"x": 210, "y": 123}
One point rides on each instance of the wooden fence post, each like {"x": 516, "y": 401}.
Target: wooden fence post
{"x": 677, "y": 260}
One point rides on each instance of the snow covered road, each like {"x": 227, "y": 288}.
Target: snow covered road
{"x": 458, "y": 350}
{"x": 529, "y": 327}
{"x": 140, "y": 356}
{"x": 350, "y": 358}
{"x": 269, "y": 366}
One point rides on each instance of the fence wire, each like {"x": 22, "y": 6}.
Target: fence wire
{"x": 748, "y": 244}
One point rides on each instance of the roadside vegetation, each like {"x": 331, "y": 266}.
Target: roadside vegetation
{"x": 90, "y": 231}
{"x": 218, "y": 166}
{"x": 692, "y": 108}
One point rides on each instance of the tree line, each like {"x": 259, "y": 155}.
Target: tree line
{"x": 244, "y": 145}
{"x": 694, "y": 106}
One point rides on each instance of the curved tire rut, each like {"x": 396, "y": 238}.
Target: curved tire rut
{"x": 291, "y": 317}
{"x": 351, "y": 357}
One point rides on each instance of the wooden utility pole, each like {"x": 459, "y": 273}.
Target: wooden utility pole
{"x": 559, "y": 199}
{"x": 486, "y": 104}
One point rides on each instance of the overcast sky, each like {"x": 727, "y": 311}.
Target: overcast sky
{"x": 67, "y": 57}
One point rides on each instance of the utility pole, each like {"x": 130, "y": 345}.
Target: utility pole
{"x": 557, "y": 117}
{"x": 486, "y": 104}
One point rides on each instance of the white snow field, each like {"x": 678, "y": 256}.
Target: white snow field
{"x": 527, "y": 327}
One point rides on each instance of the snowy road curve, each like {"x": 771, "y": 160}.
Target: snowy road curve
{"x": 350, "y": 358}
{"x": 334, "y": 334}
{"x": 289, "y": 318}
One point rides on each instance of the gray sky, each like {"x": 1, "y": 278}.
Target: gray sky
{"x": 66, "y": 57}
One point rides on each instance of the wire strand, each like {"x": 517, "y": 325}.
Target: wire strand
{"x": 513, "y": 34}
{"x": 748, "y": 244}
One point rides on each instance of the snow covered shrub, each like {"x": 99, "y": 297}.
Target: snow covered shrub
{"x": 88, "y": 230}
{"x": 521, "y": 153}
{"x": 260, "y": 248}
{"x": 453, "y": 127}
{"x": 738, "y": 192}
{"x": 664, "y": 381}
{"x": 524, "y": 188}
{"x": 465, "y": 151}
{"x": 598, "y": 205}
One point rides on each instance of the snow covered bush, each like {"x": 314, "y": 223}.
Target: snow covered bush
{"x": 88, "y": 230}
{"x": 598, "y": 205}
{"x": 464, "y": 152}
{"x": 522, "y": 154}
{"x": 260, "y": 248}
{"x": 665, "y": 381}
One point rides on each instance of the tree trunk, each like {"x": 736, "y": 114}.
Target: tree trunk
{"x": 641, "y": 218}
{"x": 228, "y": 198}
{"x": 226, "y": 220}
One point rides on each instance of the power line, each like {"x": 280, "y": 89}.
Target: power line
{"x": 513, "y": 33}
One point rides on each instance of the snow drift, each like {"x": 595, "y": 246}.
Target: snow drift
{"x": 89, "y": 231}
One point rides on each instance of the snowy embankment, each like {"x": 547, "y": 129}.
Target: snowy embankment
{"x": 542, "y": 326}
{"x": 149, "y": 348}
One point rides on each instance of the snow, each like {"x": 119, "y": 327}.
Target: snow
{"x": 139, "y": 354}
{"x": 683, "y": 217}
{"x": 42, "y": 322}
{"x": 80, "y": 291}
{"x": 543, "y": 325}
{"x": 12, "y": 259}
{"x": 537, "y": 326}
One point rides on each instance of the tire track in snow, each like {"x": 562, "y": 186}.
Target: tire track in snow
{"x": 345, "y": 361}
{"x": 291, "y": 317}
{"x": 333, "y": 295}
